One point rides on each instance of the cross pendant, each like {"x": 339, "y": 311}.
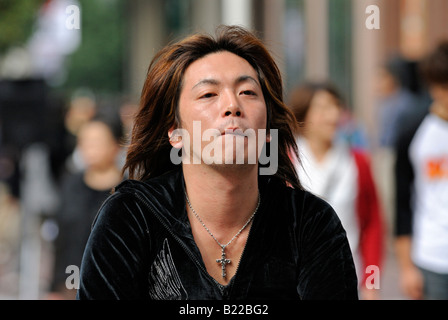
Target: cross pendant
{"x": 223, "y": 261}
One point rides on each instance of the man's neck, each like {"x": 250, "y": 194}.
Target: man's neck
{"x": 224, "y": 198}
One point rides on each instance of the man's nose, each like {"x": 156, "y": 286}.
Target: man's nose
{"x": 231, "y": 106}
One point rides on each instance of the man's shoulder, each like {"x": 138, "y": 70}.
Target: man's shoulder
{"x": 301, "y": 202}
{"x": 161, "y": 196}
{"x": 307, "y": 198}
{"x": 170, "y": 179}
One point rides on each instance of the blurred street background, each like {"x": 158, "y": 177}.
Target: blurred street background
{"x": 64, "y": 61}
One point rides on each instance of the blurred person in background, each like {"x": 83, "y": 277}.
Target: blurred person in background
{"x": 393, "y": 99}
{"x": 421, "y": 173}
{"x": 395, "y": 95}
{"x": 9, "y": 217}
{"x": 82, "y": 108}
{"x": 82, "y": 193}
{"x": 339, "y": 173}
{"x": 128, "y": 109}
{"x": 9, "y": 224}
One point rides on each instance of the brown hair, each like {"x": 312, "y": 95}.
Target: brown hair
{"x": 434, "y": 68}
{"x": 300, "y": 98}
{"x": 149, "y": 151}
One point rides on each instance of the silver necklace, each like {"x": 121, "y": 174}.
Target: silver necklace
{"x": 223, "y": 261}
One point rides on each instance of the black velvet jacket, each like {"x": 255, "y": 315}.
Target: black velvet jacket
{"x": 141, "y": 247}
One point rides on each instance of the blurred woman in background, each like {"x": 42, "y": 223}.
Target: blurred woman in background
{"x": 82, "y": 194}
{"x": 339, "y": 173}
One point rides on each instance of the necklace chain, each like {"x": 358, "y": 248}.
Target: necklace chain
{"x": 208, "y": 230}
{"x": 223, "y": 261}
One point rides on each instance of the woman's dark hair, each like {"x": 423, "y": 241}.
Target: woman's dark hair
{"x": 149, "y": 151}
{"x": 112, "y": 121}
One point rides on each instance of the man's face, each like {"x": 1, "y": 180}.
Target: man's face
{"x": 221, "y": 93}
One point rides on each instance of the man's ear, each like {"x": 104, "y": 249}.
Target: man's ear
{"x": 175, "y": 137}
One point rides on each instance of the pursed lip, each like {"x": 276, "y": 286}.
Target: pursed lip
{"x": 234, "y": 131}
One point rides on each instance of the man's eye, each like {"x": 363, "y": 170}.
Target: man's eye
{"x": 248, "y": 93}
{"x": 207, "y": 95}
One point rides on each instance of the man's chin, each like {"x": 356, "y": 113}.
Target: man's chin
{"x": 227, "y": 168}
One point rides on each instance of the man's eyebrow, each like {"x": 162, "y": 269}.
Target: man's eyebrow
{"x": 215, "y": 82}
{"x": 206, "y": 81}
{"x": 245, "y": 78}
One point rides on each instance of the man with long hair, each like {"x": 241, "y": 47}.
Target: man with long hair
{"x": 215, "y": 225}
